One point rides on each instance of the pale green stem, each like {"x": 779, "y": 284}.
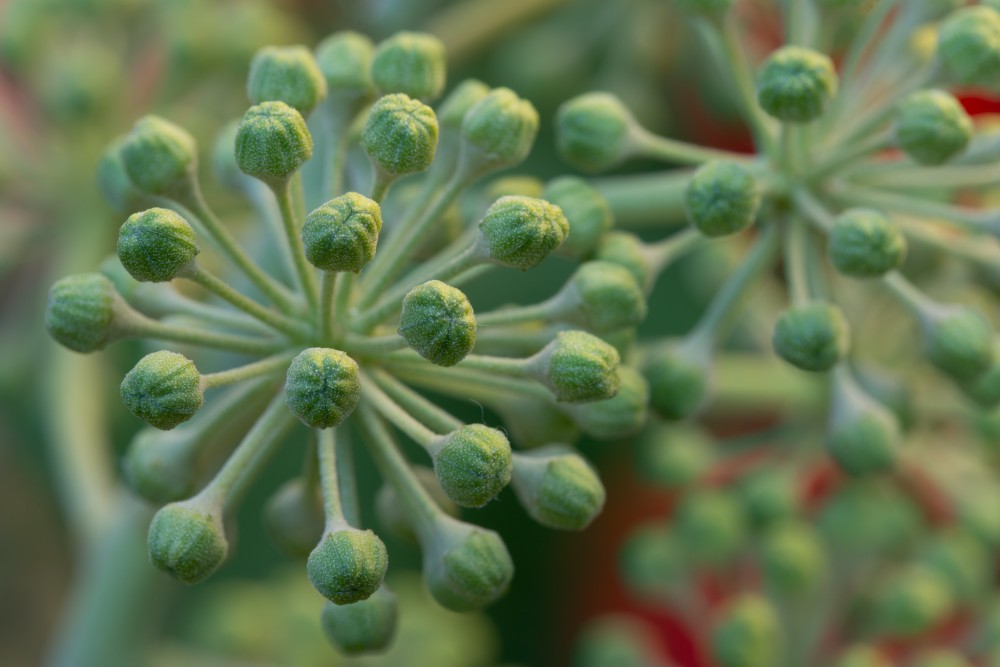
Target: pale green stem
{"x": 915, "y": 301}
{"x": 921, "y": 178}
{"x": 517, "y": 314}
{"x": 347, "y": 480}
{"x": 293, "y": 234}
{"x": 975, "y": 219}
{"x": 342, "y": 298}
{"x": 881, "y": 113}
{"x": 814, "y": 210}
{"x": 142, "y": 327}
{"x": 662, "y": 254}
{"x": 852, "y": 153}
{"x": 161, "y": 300}
{"x": 800, "y": 24}
{"x": 969, "y": 248}
{"x": 456, "y": 380}
{"x": 647, "y": 144}
{"x": 795, "y": 262}
{"x": 380, "y": 185}
{"x": 328, "y": 287}
{"x": 647, "y": 200}
{"x": 333, "y": 509}
{"x": 373, "y": 345}
{"x": 402, "y": 419}
{"x": 260, "y": 368}
{"x": 261, "y": 198}
{"x": 430, "y": 414}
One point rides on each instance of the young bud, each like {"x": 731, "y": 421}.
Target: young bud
{"x": 594, "y": 131}
{"x": 932, "y": 127}
{"x": 958, "y": 341}
{"x": 862, "y": 656}
{"x": 678, "y": 382}
{"x": 711, "y": 526}
{"x": 154, "y": 245}
{"x": 603, "y": 297}
{"x": 412, "y": 63}
{"x": 795, "y": 84}
{"x": 272, "y": 142}
{"x": 912, "y": 601}
{"x": 862, "y": 435}
{"x": 941, "y": 658}
{"x": 323, "y": 386}
{"x": 587, "y": 211}
{"x": 748, "y": 635}
{"x": 984, "y": 389}
{"x": 342, "y": 234}
{"x": 813, "y": 337}
{"x": 521, "y": 231}
{"x": 864, "y": 243}
{"x": 651, "y": 561}
{"x": 578, "y": 367}
{"x": 392, "y": 513}
{"x": 286, "y": 74}
{"x": 345, "y": 59}
{"x": 438, "y": 323}
{"x": 400, "y": 135}
{"x": 163, "y": 389}
{"x": 673, "y": 456}
{"x": 113, "y": 180}
{"x": 626, "y": 250}
{"x": 868, "y": 518}
{"x": 969, "y": 46}
{"x": 451, "y": 112}
{"x": 81, "y": 312}
{"x": 722, "y": 198}
{"x": 768, "y": 496}
{"x": 293, "y": 518}
{"x": 498, "y": 132}
{"x": 617, "y": 641}
{"x": 158, "y": 156}
{"x": 465, "y": 567}
{"x": 793, "y": 559}
{"x": 473, "y": 464}
{"x": 962, "y": 560}
{"x": 557, "y": 487}
{"x": 187, "y": 541}
{"x": 366, "y": 626}
{"x": 347, "y": 565}
{"x": 621, "y": 416}
{"x": 153, "y": 468}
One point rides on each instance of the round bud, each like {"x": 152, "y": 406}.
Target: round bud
{"x": 864, "y": 243}
{"x": 412, "y": 63}
{"x": 673, "y": 456}
{"x": 158, "y": 468}
{"x": 293, "y": 518}
{"x": 465, "y": 567}
{"x": 594, "y": 131}
{"x": 748, "y": 634}
{"x": 984, "y": 389}
{"x": 154, "y": 245}
{"x": 793, "y": 558}
{"x": 941, "y": 658}
{"x": 627, "y": 251}
{"x": 473, "y": 464}
{"x": 451, "y": 112}
{"x": 621, "y": 416}
{"x": 366, "y": 626}
{"x": 557, "y": 487}
{"x": 651, "y": 561}
{"x": 391, "y": 510}
{"x": 158, "y": 156}
{"x": 795, "y": 84}
{"x": 812, "y": 337}
{"x": 400, "y": 135}
{"x": 863, "y": 435}
{"x": 963, "y": 562}
{"x": 163, "y": 389}
{"x": 768, "y": 496}
{"x": 286, "y": 74}
{"x": 932, "y": 127}
{"x": 347, "y": 565}
{"x": 603, "y": 297}
{"x": 113, "y": 180}
{"x": 969, "y": 45}
{"x": 80, "y": 313}
{"x": 322, "y": 387}
{"x": 913, "y": 600}
{"x": 862, "y": 656}
{"x": 616, "y": 641}
{"x": 342, "y": 234}
{"x": 272, "y": 142}
{"x": 587, "y": 211}
{"x": 187, "y": 542}
{"x": 438, "y": 323}
{"x": 678, "y": 382}
{"x": 711, "y": 527}
{"x": 345, "y": 59}
{"x": 579, "y": 367}
{"x": 958, "y": 341}
{"x": 722, "y": 198}
{"x": 866, "y": 518}
{"x": 498, "y": 131}
{"x": 522, "y": 231}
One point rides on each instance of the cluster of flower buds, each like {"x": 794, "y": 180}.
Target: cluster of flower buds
{"x": 325, "y": 327}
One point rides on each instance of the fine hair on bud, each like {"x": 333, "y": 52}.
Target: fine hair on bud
{"x": 621, "y": 416}
{"x": 187, "y": 541}
{"x": 607, "y": 298}
{"x": 400, "y": 135}
{"x": 272, "y": 142}
{"x": 286, "y": 74}
{"x": 438, "y": 323}
{"x": 322, "y": 387}
{"x": 81, "y": 311}
{"x": 412, "y": 63}
{"x": 466, "y": 567}
{"x": 347, "y": 565}
{"x": 558, "y": 487}
{"x": 342, "y": 234}
{"x": 722, "y": 198}
{"x": 579, "y": 367}
{"x": 520, "y": 232}
{"x": 163, "y": 389}
{"x": 473, "y": 464}
{"x": 154, "y": 245}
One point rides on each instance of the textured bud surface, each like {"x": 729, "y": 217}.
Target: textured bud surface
{"x": 626, "y": 251}
{"x": 865, "y": 243}
{"x": 323, "y": 386}
{"x": 362, "y": 627}
{"x": 522, "y": 231}
{"x": 932, "y": 127}
{"x": 438, "y": 323}
{"x": 342, "y": 234}
{"x": 473, "y": 464}
{"x": 722, "y": 198}
{"x": 286, "y": 74}
{"x": 580, "y": 367}
{"x": 186, "y": 542}
{"x": 412, "y": 63}
{"x": 400, "y": 135}
{"x": 558, "y": 488}
{"x": 813, "y": 337}
{"x": 621, "y": 416}
{"x": 501, "y": 127}
{"x": 795, "y": 84}
{"x": 587, "y": 211}
{"x": 609, "y": 298}
{"x": 592, "y": 131}
{"x": 969, "y": 45}
{"x": 272, "y": 142}
{"x": 347, "y": 565}
{"x": 154, "y": 245}
{"x": 80, "y": 313}
{"x": 163, "y": 389}
{"x": 467, "y": 567}
{"x": 158, "y": 155}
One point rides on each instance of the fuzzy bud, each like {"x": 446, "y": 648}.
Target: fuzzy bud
{"x": 603, "y": 297}
{"x": 400, "y": 135}
{"x": 366, "y": 626}
{"x": 863, "y": 435}
{"x": 678, "y": 381}
{"x": 722, "y": 198}
{"x": 932, "y": 127}
{"x": 154, "y": 245}
{"x": 795, "y": 84}
{"x": 163, "y": 389}
{"x": 466, "y": 567}
{"x": 626, "y": 250}
{"x": 473, "y": 464}
{"x": 793, "y": 558}
{"x": 159, "y": 157}
{"x": 958, "y": 341}
{"x": 621, "y": 416}
{"x": 347, "y": 565}
{"x": 594, "y": 131}
{"x": 969, "y": 46}
{"x": 912, "y": 600}
{"x": 673, "y": 456}
{"x": 813, "y": 337}
{"x": 272, "y": 142}
{"x": 498, "y": 132}
{"x": 748, "y": 635}
{"x": 711, "y": 526}
{"x": 345, "y": 60}
{"x": 864, "y": 243}
{"x": 520, "y": 232}
{"x": 286, "y": 74}
{"x": 438, "y": 323}
{"x": 412, "y": 63}
{"x": 293, "y": 518}
{"x": 587, "y": 211}
{"x": 323, "y": 386}
{"x": 557, "y": 487}
{"x": 342, "y": 234}
{"x": 578, "y": 367}
{"x": 81, "y": 312}
{"x": 187, "y": 541}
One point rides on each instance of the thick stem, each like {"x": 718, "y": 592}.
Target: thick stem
{"x": 333, "y": 509}
{"x": 305, "y": 272}
{"x": 402, "y": 419}
{"x": 260, "y": 368}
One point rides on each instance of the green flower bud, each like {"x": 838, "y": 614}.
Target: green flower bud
{"x": 578, "y": 367}
{"x": 912, "y": 601}
{"x": 795, "y": 84}
{"x": 412, "y": 63}
{"x": 932, "y": 127}
{"x": 557, "y": 487}
{"x": 345, "y": 59}
{"x": 768, "y": 496}
{"x": 626, "y": 250}
{"x": 722, "y": 198}
{"x": 958, "y": 341}
{"x": 985, "y": 388}
{"x": 438, "y": 323}
{"x": 521, "y": 231}
{"x": 154, "y": 469}
{"x": 323, "y": 386}
{"x": 868, "y": 518}
{"x": 621, "y": 416}
{"x": 863, "y": 435}
{"x": 82, "y": 310}
{"x": 272, "y": 142}
{"x": 793, "y": 558}
{"x": 969, "y": 46}
{"x": 864, "y": 243}
{"x": 673, "y": 456}
{"x": 392, "y": 512}
{"x": 587, "y": 211}
{"x": 652, "y": 561}
{"x": 366, "y": 626}
{"x": 595, "y": 132}
{"x": 678, "y": 381}
{"x": 498, "y": 132}
{"x": 862, "y": 656}
{"x": 400, "y": 135}
{"x": 711, "y": 527}
{"x": 163, "y": 389}
{"x": 341, "y": 235}
{"x": 155, "y": 245}
{"x": 602, "y": 297}
{"x": 473, "y": 464}
{"x": 293, "y": 518}
{"x": 187, "y": 541}
{"x": 941, "y": 658}
{"x": 465, "y": 567}
{"x": 963, "y": 561}
{"x": 451, "y": 113}
{"x": 813, "y": 337}
{"x": 616, "y": 641}
{"x": 114, "y": 182}
{"x": 748, "y": 635}
{"x": 159, "y": 157}
{"x": 348, "y": 564}
{"x": 286, "y": 74}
